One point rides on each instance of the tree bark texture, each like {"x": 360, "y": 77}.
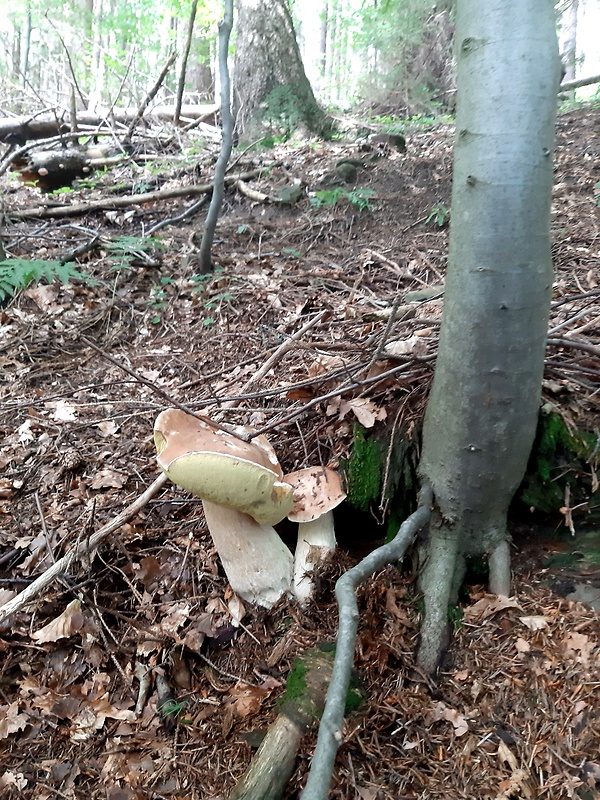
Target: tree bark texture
{"x": 184, "y": 61}
{"x": 482, "y": 412}
{"x": 568, "y": 37}
{"x": 270, "y": 83}
{"x": 210, "y": 224}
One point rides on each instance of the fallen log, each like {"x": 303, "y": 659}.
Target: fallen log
{"x": 18, "y": 130}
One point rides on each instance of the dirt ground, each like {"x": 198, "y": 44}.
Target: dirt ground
{"x": 86, "y": 368}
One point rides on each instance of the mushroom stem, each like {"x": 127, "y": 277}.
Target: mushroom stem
{"x": 315, "y": 540}
{"x": 256, "y": 561}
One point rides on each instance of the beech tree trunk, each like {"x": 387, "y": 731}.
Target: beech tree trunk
{"x": 482, "y": 412}
{"x": 568, "y": 44}
{"x": 271, "y": 90}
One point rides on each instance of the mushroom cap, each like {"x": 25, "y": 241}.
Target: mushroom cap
{"x": 217, "y": 466}
{"x": 317, "y": 490}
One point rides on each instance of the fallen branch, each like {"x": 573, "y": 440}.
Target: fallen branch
{"x": 330, "y": 729}
{"x": 273, "y": 763}
{"x": 587, "y": 348}
{"x": 565, "y": 87}
{"x": 43, "y": 212}
{"x": 81, "y": 549}
{"x": 18, "y": 130}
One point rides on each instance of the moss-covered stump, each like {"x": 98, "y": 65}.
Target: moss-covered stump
{"x": 561, "y": 474}
{"x": 381, "y": 474}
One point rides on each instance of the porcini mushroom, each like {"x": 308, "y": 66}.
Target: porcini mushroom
{"x": 317, "y": 491}
{"x": 242, "y": 494}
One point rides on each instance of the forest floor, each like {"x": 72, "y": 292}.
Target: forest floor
{"x": 86, "y": 367}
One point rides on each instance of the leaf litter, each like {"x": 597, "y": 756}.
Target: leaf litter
{"x": 138, "y": 674}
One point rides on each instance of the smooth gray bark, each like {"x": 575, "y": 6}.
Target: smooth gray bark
{"x": 482, "y": 412}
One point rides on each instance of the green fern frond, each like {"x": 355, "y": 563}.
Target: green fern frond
{"x": 17, "y": 273}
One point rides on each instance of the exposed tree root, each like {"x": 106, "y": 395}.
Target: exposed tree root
{"x": 330, "y": 729}
{"x": 437, "y": 581}
{"x": 499, "y": 564}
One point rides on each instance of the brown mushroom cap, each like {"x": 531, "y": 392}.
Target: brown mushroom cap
{"x": 219, "y": 467}
{"x": 317, "y": 490}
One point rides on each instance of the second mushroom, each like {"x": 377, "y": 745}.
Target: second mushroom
{"x": 317, "y": 491}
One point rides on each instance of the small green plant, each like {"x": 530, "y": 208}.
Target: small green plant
{"x": 598, "y": 194}
{"x": 171, "y": 708}
{"x": 124, "y": 251}
{"x": 440, "y": 213}
{"x": 63, "y": 190}
{"x": 159, "y": 298}
{"x": 204, "y": 283}
{"x": 360, "y": 198}
{"x": 17, "y": 273}
{"x": 291, "y": 251}
{"x": 327, "y": 197}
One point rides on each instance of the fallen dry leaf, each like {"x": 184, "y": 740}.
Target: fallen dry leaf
{"x": 488, "y": 606}
{"x": 535, "y": 623}
{"x": 10, "y": 719}
{"x": 108, "y": 427}
{"x": 522, "y": 645}
{"x": 443, "y": 712}
{"x": 62, "y": 627}
{"x": 63, "y": 411}
{"x": 579, "y": 647}
{"x": 245, "y": 700}
{"x": 365, "y": 411}
{"x": 108, "y": 479}
{"x": 16, "y": 779}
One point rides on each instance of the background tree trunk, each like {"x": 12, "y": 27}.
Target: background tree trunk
{"x": 568, "y": 39}
{"x": 482, "y": 413}
{"x": 269, "y": 79}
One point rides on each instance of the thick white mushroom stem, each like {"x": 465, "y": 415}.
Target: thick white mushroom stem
{"x": 256, "y": 561}
{"x": 315, "y": 540}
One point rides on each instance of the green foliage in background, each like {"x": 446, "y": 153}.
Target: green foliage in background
{"x": 115, "y": 57}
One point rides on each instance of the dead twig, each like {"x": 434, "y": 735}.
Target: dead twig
{"x": 44, "y": 212}
{"x": 587, "y": 348}
{"x": 83, "y": 548}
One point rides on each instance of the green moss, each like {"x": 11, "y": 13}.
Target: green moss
{"x": 356, "y": 694}
{"x": 288, "y": 106}
{"x": 295, "y": 687}
{"x": 559, "y": 458}
{"x": 364, "y": 470}
{"x": 307, "y": 683}
{"x": 455, "y": 617}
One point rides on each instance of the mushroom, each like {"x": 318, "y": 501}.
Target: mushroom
{"x": 242, "y": 494}
{"x": 317, "y": 491}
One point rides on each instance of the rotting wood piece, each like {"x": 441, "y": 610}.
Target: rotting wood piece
{"x": 303, "y": 703}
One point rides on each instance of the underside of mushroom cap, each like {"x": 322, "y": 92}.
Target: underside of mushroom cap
{"x": 221, "y": 468}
